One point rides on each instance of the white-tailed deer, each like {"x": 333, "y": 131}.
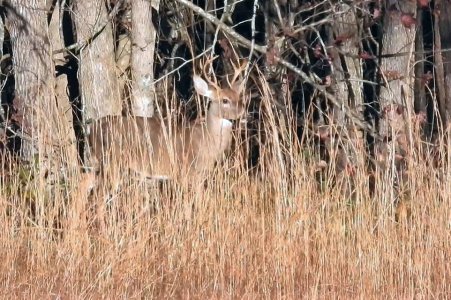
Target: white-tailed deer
{"x": 154, "y": 148}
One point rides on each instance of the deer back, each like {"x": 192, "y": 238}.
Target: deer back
{"x": 155, "y": 148}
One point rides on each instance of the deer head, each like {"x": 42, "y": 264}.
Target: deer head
{"x": 226, "y": 103}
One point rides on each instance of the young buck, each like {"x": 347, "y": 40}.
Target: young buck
{"x": 152, "y": 148}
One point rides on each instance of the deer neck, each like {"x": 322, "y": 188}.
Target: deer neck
{"x": 219, "y": 129}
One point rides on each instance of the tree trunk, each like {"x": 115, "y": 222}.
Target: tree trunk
{"x": 396, "y": 99}
{"x": 397, "y": 71}
{"x": 2, "y": 113}
{"x": 2, "y": 36}
{"x": 35, "y": 108}
{"x": 62, "y": 99}
{"x": 143, "y": 48}
{"x": 420, "y": 93}
{"x": 443, "y": 41}
{"x": 348, "y": 87}
{"x": 440, "y": 70}
{"x": 348, "y": 67}
{"x": 99, "y": 86}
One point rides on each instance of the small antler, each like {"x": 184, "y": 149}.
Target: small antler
{"x": 236, "y": 81}
{"x": 237, "y": 70}
{"x": 207, "y": 64}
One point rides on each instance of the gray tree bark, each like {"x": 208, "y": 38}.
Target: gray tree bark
{"x": 34, "y": 102}
{"x": 396, "y": 97}
{"x": 443, "y": 59}
{"x": 97, "y": 75}
{"x": 62, "y": 98}
{"x": 2, "y": 38}
{"x": 348, "y": 70}
{"x": 142, "y": 59}
{"x": 397, "y": 72}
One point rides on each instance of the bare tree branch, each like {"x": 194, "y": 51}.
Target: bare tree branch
{"x": 358, "y": 121}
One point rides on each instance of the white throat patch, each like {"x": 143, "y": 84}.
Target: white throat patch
{"x": 226, "y": 124}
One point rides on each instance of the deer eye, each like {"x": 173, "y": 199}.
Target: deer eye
{"x": 226, "y": 101}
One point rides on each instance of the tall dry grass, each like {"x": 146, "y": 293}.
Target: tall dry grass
{"x": 278, "y": 231}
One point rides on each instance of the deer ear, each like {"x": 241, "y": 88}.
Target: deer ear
{"x": 202, "y": 87}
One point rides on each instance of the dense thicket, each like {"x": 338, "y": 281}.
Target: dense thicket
{"x": 369, "y": 65}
